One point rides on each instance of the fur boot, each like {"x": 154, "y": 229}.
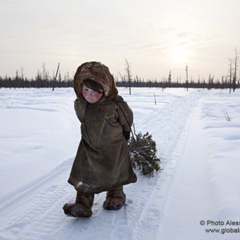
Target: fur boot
{"x": 115, "y": 199}
{"x": 82, "y": 206}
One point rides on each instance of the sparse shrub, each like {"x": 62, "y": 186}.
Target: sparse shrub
{"x": 226, "y": 115}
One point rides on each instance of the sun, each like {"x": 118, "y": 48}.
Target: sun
{"x": 180, "y": 54}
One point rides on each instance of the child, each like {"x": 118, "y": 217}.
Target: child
{"x": 102, "y": 162}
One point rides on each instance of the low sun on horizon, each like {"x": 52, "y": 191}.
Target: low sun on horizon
{"x": 181, "y": 55}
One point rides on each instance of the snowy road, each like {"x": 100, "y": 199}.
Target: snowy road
{"x": 188, "y": 129}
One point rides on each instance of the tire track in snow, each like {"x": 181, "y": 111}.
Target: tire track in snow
{"x": 170, "y": 128}
{"x": 35, "y": 213}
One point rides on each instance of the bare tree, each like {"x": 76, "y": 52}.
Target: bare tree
{"x": 169, "y": 78}
{"x": 235, "y": 70}
{"x": 45, "y": 73}
{"x": 129, "y": 74}
{"x": 55, "y": 78}
{"x": 230, "y": 74}
{"x": 186, "y": 69}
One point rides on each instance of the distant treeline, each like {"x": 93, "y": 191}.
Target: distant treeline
{"x": 188, "y": 84}
{"x": 16, "y": 82}
{"x": 39, "y": 82}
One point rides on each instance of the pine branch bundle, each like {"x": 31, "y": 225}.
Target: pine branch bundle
{"x": 143, "y": 153}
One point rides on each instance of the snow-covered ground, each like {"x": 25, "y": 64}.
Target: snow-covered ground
{"x": 196, "y": 195}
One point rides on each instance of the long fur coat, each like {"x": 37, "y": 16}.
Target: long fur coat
{"x": 102, "y": 161}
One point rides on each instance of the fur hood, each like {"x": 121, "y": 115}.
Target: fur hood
{"x": 98, "y": 72}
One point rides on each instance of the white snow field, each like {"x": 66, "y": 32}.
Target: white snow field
{"x": 195, "y": 196}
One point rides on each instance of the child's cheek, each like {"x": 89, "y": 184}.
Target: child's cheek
{"x": 98, "y": 95}
{"x": 84, "y": 94}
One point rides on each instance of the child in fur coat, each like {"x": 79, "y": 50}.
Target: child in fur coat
{"x": 102, "y": 162}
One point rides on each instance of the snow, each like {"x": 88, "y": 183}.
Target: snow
{"x": 198, "y": 137}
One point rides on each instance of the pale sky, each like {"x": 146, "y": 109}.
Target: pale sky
{"x": 155, "y": 36}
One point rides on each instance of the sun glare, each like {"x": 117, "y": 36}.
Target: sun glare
{"x": 180, "y": 55}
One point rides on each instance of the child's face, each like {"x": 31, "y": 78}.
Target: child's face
{"x": 90, "y": 95}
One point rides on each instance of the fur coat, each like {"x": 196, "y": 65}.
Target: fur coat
{"x": 102, "y": 161}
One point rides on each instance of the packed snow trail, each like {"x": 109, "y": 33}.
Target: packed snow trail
{"x": 168, "y": 206}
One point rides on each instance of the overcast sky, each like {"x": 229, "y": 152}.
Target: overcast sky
{"x": 155, "y": 36}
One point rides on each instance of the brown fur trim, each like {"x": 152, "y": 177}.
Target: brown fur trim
{"x": 98, "y": 72}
